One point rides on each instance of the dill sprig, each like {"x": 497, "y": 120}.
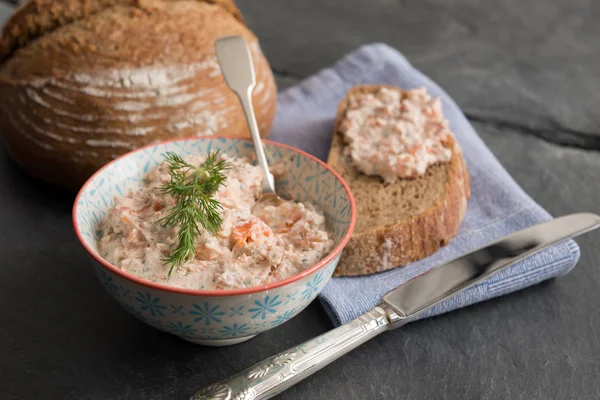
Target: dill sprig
{"x": 193, "y": 189}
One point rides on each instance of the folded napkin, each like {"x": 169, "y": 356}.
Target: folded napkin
{"x": 498, "y": 206}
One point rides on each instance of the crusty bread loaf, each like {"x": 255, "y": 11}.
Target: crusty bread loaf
{"x": 84, "y": 81}
{"x": 401, "y": 222}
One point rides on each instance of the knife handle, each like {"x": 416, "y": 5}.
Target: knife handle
{"x": 274, "y": 375}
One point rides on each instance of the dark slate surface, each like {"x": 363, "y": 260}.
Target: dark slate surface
{"x": 521, "y": 70}
{"x": 530, "y": 65}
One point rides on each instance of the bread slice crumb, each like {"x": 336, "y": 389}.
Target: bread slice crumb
{"x": 401, "y": 222}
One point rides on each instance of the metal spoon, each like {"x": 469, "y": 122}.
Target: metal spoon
{"x": 236, "y": 64}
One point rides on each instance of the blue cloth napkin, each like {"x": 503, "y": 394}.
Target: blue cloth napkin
{"x": 498, "y": 206}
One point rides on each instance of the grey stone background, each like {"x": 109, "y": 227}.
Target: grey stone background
{"x": 526, "y": 73}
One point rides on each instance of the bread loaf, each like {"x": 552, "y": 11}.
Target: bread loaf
{"x": 84, "y": 81}
{"x": 401, "y": 222}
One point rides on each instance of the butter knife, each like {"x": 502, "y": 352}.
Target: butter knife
{"x": 398, "y": 307}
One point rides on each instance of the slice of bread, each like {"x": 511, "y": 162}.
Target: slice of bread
{"x": 401, "y": 222}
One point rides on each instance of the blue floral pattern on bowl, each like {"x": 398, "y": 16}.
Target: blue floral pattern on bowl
{"x": 194, "y": 315}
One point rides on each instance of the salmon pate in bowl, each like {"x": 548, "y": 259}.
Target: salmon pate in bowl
{"x": 262, "y": 265}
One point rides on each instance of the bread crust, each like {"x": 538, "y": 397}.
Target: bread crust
{"x": 35, "y": 18}
{"x": 414, "y": 237}
{"x": 84, "y": 81}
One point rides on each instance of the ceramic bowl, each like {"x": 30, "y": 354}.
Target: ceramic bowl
{"x": 216, "y": 317}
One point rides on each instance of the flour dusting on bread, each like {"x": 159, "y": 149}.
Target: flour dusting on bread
{"x": 85, "y": 81}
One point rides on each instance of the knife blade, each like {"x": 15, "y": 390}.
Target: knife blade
{"x": 418, "y": 295}
{"x": 398, "y": 307}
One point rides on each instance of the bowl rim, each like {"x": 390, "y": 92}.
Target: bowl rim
{"x": 225, "y": 292}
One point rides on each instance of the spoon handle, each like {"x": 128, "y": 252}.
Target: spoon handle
{"x": 236, "y": 64}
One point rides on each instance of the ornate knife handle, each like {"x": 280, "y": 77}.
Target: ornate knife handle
{"x": 274, "y": 375}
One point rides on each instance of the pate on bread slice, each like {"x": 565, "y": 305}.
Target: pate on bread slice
{"x": 404, "y": 218}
